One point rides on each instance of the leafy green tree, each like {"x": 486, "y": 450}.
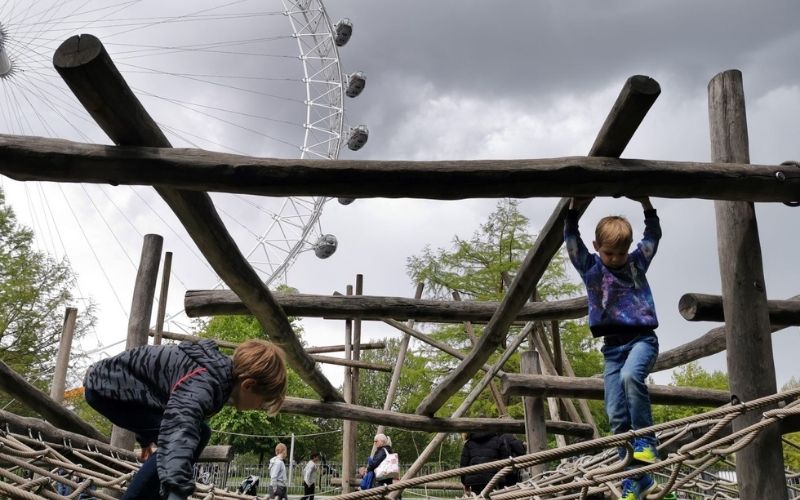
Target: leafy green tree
{"x": 791, "y": 450}
{"x": 35, "y": 290}
{"x": 690, "y": 375}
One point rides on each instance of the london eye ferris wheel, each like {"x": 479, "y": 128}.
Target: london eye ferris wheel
{"x": 248, "y": 77}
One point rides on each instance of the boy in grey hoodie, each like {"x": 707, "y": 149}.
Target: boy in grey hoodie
{"x": 277, "y": 474}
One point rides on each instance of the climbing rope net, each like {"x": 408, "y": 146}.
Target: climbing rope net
{"x": 32, "y": 467}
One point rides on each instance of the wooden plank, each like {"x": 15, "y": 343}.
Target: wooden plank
{"x": 632, "y": 104}
{"x": 751, "y": 366}
{"x": 592, "y": 388}
{"x": 19, "y": 388}
{"x": 58, "y": 384}
{"x": 311, "y": 408}
{"x": 162, "y": 297}
{"x": 533, "y": 409}
{"x": 86, "y": 67}
{"x": 704, "y": 307}
{"x": 40, "y": 159}
{"x": 199, "y": 303}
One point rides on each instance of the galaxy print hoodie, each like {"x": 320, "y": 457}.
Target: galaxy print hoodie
{"x": 620, "y": 300}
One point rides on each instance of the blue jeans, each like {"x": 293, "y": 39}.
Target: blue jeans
{"x": 145, "y": 422}
{"x": 626, "y": 397}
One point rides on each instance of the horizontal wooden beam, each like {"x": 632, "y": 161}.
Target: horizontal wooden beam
{"x": 39, "y": 159}
{"x": 366, "y": 307}
{"x": 704, "y": 307}
{"x": 312, "y": 408}
{"x": 592, "y": 388}
{"x": 29, "y": 395}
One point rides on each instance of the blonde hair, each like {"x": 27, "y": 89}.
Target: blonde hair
{"x": 265, "y": 363}
{"x": 614, "y": 231}
{"x": 383, "y": 438}
{"x": 280, "y": 448}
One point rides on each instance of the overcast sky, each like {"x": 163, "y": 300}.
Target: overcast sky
{"x": 478, "y": 80}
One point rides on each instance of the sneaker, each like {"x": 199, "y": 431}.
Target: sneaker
{"x": 636, "y": 489}
{"x": 644, "y": 451}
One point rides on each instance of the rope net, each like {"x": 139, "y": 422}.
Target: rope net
{"x": 33, "y": 468}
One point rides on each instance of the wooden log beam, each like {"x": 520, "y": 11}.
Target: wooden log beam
{"x": 88, "y": 71}
{"x": 632, "y": 104}
{"x": 592, "y": 388}
{"x": 40, "y": 159}
{"x": 710, "y": 343}
{"x": 199, "y": 303}
{"x": 704, "y": 307}
{"x": 345, "y": 411}
{"x": 310, "y": 350}
{"x": 19, "y": 388}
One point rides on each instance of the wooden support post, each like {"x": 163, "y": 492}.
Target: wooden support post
{"x": 398, "y": 366}
{"x": 62, "y": 360}
{"x": 633, "y": 102}
{"x": 162, "y": 298}
{"x": 348, "y": 434}
{"x": 144, "y": 290}
{"x": 534, "y": 412}
{"x": 751, "y": 366}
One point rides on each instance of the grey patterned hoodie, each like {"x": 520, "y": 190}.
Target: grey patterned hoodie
{"x": 188, "y": 383}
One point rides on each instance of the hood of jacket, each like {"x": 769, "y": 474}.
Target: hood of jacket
{"x": 206, "y": 354}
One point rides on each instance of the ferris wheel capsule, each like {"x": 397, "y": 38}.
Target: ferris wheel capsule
{"x": 355, "y": 84}
{"x": 358, "y": 137}
{"x": 325, "y": 246}
{"x": 344, "y": 30}
{"x": 345, "y": 201}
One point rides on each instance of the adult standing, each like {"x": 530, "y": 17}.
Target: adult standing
{"x": 485, "y": 447}
{"x": 310, "y": 477}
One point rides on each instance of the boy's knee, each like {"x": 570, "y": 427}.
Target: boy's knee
{"x": 630, "y": 379}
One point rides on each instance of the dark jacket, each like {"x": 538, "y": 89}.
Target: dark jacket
{"x": 187, "y": 383}
{"x": 480, "y": 448}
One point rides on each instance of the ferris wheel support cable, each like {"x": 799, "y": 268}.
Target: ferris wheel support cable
{"x": 108, "y": 226}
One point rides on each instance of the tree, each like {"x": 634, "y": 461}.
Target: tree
{"x": 690, "y": 375}
{"x": 791, "y": 450}
{"x": 35, "y": 290}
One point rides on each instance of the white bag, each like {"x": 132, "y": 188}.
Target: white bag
{"x": 389, "y": 468}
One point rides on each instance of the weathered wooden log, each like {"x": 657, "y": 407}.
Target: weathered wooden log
{"x": 40, "y": 159}
{"x": 216, "y": 302}
{"x": 703, "y": 307}
{"x": 592, "y": 388}
{"x": 88, "y": 71}
{"x": 234, "y": 345}
{"x": 311, "y": 408}
{"x": 710, "y": 343}
{"x": 751, "y": 365}
{"x": 19, "y": 388}
{"x": 632, "y": 104}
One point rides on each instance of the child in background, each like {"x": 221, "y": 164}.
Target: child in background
{"x": 277, "y": 473}
{"x": 622, "y": 312}
{"x": 164, "y": 394}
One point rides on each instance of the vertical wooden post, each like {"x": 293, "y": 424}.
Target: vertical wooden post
{"x": 62, "y": 360}
{"x": 356, "y": 346}
{"x": 398, "y": 366}
{"x": 162, "y": 298}
{"x": 751, "y": 367}
{"x": 348, "y": 436}
{"x": 141, "y": 309}
{"x": 535, "y": 432}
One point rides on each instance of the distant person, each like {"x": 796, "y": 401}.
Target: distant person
{"x": 622, "y": 311}
{"x": 485, "y": 447}
{"x": 277, "y": 473}
{"x": 383, "y": 448}
{"x": 164, "y": 394}
{"x": 310, "y": 477}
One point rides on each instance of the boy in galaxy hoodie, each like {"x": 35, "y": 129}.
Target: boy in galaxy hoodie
{"x": 622, "y": 312}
